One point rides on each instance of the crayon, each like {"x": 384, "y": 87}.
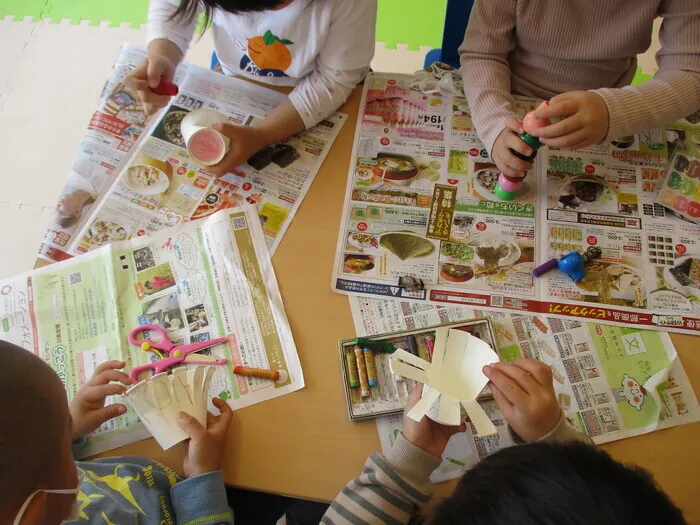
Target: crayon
{"x": 353, "y": 374}
{"x": 412, "y": 347}
{"x": 422, "y": 349}
{"x": 377, "y": 346}
{"x": 362, "y": 372}
{"x": 273, "y": 375}
{"x": 430, "y": 341}
{"x": 371, "y": 368}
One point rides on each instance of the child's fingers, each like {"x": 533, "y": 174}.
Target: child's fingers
{"x": 514, "y": 124}
{"x": 226, "y": 415}
{"x": 110, "y": 375}
{"x": 537, "y": 369}
{"x": 560, "y": 106}
{"x": 414, "y": 397}
{"x": 501, "y": 400}
{"x": 99, "y": 392}
{"x": 567, "y": 140}
{"x": 522, "y": 377}
{"x": 561, "y": 128}
{"x": 109, "y": 412}
{"x": 137, "y": 84}
{"x": 515, "y": 143}
{"x": 510, "y": 389}
{"x": 191, "y": 426}
{"x": 108, "y": 365}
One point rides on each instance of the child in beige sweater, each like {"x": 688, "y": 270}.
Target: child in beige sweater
{"x": 581, "y": 56}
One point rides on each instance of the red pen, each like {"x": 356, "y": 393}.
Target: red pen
{"x": 165, "y": 88}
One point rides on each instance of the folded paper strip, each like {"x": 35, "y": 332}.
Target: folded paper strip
{"x": 159, "y": 400}
{"x": 454, "y": 377}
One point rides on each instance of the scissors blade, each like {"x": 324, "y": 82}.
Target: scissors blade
{"x": 196, "y": 347}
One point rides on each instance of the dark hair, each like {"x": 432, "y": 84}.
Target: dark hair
{"x": 187, "y": 10}
{"x": 556, "y": 484}
{"x": 33, "y": 419}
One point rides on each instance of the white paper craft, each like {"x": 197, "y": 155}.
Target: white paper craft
{"x": 454, "y": 377}
{"x": 159, "y": 400}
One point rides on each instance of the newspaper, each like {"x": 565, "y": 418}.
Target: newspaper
{"x": 420, "y": 201}
{"x": 197, "y": 281}
{"x": 106, "y": 200}
{"x": 611, "y": 382}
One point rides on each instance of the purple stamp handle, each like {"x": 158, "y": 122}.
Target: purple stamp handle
{"x": 545, "y": 267}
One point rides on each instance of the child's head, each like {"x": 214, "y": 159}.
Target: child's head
{"x": 188, "y": 8}
{"x": 572, "y": 484}
{"x": 35, "y": 440}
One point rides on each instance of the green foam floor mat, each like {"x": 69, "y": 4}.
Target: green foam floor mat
{"x": 413, "y": 23}
{"x": 116, "y": 12}
{"x": 18, "y": 9}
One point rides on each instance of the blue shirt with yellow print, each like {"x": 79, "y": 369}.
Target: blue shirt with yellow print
{"x": 135, "y": 490}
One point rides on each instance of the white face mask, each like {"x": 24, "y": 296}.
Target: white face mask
{"x": 74, "y": 510}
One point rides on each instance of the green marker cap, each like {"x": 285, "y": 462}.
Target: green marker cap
{"x": 530, "y": 140}
{"x": 504, "y": 195}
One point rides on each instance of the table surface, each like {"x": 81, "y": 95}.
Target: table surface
{"x": 303, "y": 444}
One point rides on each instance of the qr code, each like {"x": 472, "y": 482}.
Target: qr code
{"x": 496, "y": 300}
{"x": 239, "y": 223}
{"x": 76, "y": 278}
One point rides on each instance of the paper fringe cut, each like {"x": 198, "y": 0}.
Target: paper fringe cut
{"x": 453, "y": 378}
{"x": 159, "y": 400}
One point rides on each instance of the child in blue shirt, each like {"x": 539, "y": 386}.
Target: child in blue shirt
{"x": 41, "y": 483}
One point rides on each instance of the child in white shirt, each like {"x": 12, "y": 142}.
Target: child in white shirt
{"x": 322, "y": 47}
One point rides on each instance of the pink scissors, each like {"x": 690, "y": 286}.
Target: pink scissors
{"x": 175, "y": 354}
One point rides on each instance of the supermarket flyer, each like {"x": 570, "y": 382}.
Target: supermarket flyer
{"x": 420, "y": 202}
{"x": 133, "y": 174}
{"x": 611, "y": 382}
{"x": 197, "y": 281}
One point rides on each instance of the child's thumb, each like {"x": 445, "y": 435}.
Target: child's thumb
{"x": 155, "y": 73}
{"x": 191, "y": 426}
{"x": 221, "y": 127}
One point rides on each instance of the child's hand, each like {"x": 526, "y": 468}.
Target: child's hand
{"x": 206, "y": 446}
{"x": 88, "y": 410}
{"x": 147, "y": 75}
{"x": 426, "y": 434}
{"x": 587, "y": 120}
{"x": 507, "y": 162}
{"x": 246, "y": 141}
{"x": 523, "y": 391}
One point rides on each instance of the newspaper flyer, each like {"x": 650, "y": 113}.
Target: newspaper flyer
{"x": 420, "y": 202}
{"x": 197, "y": 281}
{"x": 133, "y": 175}
{"x": 611, "y": 382}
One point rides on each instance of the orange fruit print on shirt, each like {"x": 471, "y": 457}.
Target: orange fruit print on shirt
{"x": 270, "y": 52}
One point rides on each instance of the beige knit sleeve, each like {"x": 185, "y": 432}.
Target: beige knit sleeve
{"x": 489, "y": 39}
{"x": 674, "y": 92}
{"x": 563, "y": 431}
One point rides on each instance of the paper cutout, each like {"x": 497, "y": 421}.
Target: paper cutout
{"x": 453, "y": 380}
{"x": 159, "y": 400}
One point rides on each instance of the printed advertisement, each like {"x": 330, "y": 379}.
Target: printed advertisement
{"x": 611, "y": 382}
{"x": 133, "y": 175}
{"x": 421, "y": 202}
{"x": 198, "y": 281}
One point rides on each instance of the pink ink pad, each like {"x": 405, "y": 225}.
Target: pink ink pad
{"x": 207, "y": 147}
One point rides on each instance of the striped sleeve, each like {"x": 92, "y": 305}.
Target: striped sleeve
{"x": 389, "y": 490}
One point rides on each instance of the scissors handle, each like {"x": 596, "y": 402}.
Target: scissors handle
{"x": 163, "y": 344}
{"x": 157, "y": 367}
